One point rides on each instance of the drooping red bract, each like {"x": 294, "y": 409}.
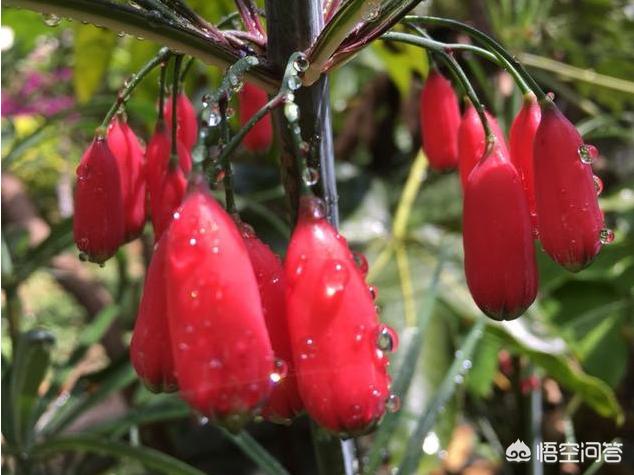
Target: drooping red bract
{"x": 186, "y": 120}
{"x": 166, "y": 185}
{"x": 498, "y": 239}
{"x": 127, "y": 149}
{"x": 285, "y": 402}
{"x": 222, "y": 353}
{"x": 440, "y": 120}
{"x": 568, "y": 214}
{"x": 341, "y": 372}
{"x": 150, "y": 348}
{"x": 472, "y": 142}
{"x": 98, "y": 224}
{"x": 521, "y": 140}
{"x": 252, "y": 99}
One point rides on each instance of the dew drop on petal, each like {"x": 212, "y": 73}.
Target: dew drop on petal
{"x": 386, "y": 339}
{"x": 598, "y": 184}
{"x": 310, "y": 176}
{"x": 393, "y": 403}
{"x": 606, "y": 236}
{"x": 588, "y": 153}
{"x": 361, "y": 262}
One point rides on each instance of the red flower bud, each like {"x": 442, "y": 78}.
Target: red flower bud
{"x": 223, "y": 356}
{"x": 521, "y": 140}
{"x": 569, "y": 219}
{"x": 472, "y": 142}
{"x": 129, "y": 153}
{"x": 252, "y": 99}
{"x": 166, "y": 186}
{"x": 186, "y": 119}
{"x": 98, "y": 225}
{"x": 440, "y": 120}
{"x": 285, "y": 402}
{"x": 498, "y": 239}
{"x": 338, "y": 343}
{"x": 150, "y": 348}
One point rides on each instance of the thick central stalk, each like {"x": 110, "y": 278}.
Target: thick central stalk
{"x": 292, "y": 26}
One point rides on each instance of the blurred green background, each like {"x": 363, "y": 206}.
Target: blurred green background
{"x": 564, "y": 371}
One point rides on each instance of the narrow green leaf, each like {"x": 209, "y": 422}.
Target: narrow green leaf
{"x": 445, "y": 392}
{"x": 93, "y": 50}
{"x": 256, "y": 452}
{"x": 111, "y": 380}
{"x": 163, "y": 411}
{"x": 60, "y": 238}
{"x": 30, "y": 364}
{"x": 405, "y": 373}
{"x": 593, "y": 391}
{"x": 152, "y": 459}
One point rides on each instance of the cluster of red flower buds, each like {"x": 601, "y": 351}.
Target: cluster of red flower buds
{"x": 541, "y": 186}
{"x": 222, "y": 319}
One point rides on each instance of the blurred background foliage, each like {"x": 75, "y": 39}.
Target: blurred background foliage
{"x": 564, "y": 372}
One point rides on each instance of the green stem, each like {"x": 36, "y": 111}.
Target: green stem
{"x": 178, "y": 60}
{"x": 455, "y": 68}
{"x": 239, "y": 136}
{"x": 486, "y": 40}
{"x": 133, "y": 82}
{"x": 118, "y": 17}
{"x": 13, "y": 313}
{"x": 484, "y": 53}
{"x": 186, "y": 69}
{"x": 227, "y": 180}
{"x": 161, "y": 102}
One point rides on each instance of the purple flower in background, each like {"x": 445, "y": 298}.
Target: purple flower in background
{"x": 38, "y": 93}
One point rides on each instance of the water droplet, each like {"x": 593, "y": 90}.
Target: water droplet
{"x": 310, "y": 176}
{"x": 361, "y": 262}
{"x": 215, "y": 363}
{"x": 393, "y": 403}
{"x": 374, "y": 293}
{"x": 229, "y": 112}
{"x": 386, "y": 338}
{"x": 308, "y": 349}
{"x": 301, "y": 63}
{"x": 551, "y": 96}
{"x": 214, "y": 116}
{"x": 312, "y": 208}
{"x": 50, "y": 19}
{"x": 359, "y": 334}
{"x": 291, "y": 112}
{"x": 466, "y": 365}
{"x": 236, "y": 83}
{"x": 373, "y": 8}
{"x": 606, "y": 236}
{"x": 202, "y": 420}
{"x": 335, "y": 277}
{"x": 304, "y": 147}
{"x": 598, "y": 184}
{"x": 193, "y": 294}
{"x": 294, "y": 83}
{"x": 458, "y": 379}
{"x": 588, "y": 153}
{"x": 280, "y": 371}
{"x": 176, "y": 215}
{"x": 193, "y": 241}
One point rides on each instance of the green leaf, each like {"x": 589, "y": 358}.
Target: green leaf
{"x": 30, "y": 364}
{"x": 401, "y": 61}
{"x": 445, "y": 391}
{"x": 256, "y": 452}
{"x": 405, "y": 373}
{"x": 60, "y": 238}
{"x": 152, "y": 459}
{"x": 485, "y": 365}
{"x": 93, "y": 51}
{"x": 593, "y": 391}
{"x": 114, "y": 378}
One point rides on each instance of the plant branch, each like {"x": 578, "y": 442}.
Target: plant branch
{"x": 118, "y": 17}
